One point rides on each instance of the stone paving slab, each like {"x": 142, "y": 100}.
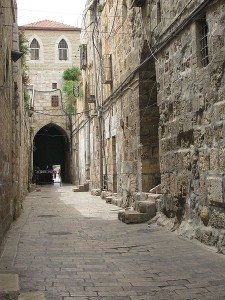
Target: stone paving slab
{"x": 9, "y": 283}
{"x": 31, "y": 296}
{"x": 70, "y": 245}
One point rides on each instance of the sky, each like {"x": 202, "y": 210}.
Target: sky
{"x": 67, "y": 11}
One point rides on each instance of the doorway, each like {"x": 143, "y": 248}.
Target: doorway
{"x": 149, "y": 122}
{"x": 52, "y": 147}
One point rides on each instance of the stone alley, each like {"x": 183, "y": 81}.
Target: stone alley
{"x": 69, "y": 245}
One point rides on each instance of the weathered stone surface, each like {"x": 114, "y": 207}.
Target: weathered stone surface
{"x": 96, "y": 192}
{"x": 117, "y": 201}
{"x": 217, "y": 220}
{"x": 204, "y": 215}
{"x": 14, "y": 123}
{"x": 153, "y": 197}
{"x": 105, "y": 194}
{"x": 147, "y": 207}
{"x": 31, "y": 296}
{"x": 215, "y": 189}
{"x": 9, "y": 282}
{"x": 134, "y": 217}
{"x": 108, "y": 199}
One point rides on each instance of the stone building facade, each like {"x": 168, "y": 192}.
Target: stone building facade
{"x": 54, "y": 47}
{"x": 155, "y": 70}
{"x": 14, "y": 122}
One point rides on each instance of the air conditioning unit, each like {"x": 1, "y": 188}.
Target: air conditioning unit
{"x": 138, "y": 3}
{"x": 83, "y": 56}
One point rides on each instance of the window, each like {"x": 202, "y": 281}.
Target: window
{"x": 83, "y": 56}
{"x": 63, "y": 49}
{"x": 137, "y": 3}
{"x": 158, "y": 12}
{"x": 55, "y": 101}
{"x": 54, "y": 85}
{"x": 203, "y": 39}
{"x": 34, "y": 50}
{"x": 107, "y": 64}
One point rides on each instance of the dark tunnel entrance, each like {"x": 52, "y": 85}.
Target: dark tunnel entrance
{"x": 51, "y": 146}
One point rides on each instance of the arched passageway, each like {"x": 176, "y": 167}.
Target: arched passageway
{"x": 51, "y": 146}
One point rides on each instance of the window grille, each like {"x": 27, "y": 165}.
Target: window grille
{"x": 204, "y": 42}
{"x": 54, "y": 85}
{"x": 55, "y": 101}
{"x": 83, "y": 56}
{"x": 34, "y": 50}
{"x": 63, "y": 50}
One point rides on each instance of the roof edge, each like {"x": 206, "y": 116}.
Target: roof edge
{"x": 48, "y": 28}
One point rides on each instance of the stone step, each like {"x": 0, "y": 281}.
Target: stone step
{"x": 132, "y": 217}
{"x": 96, "y": 192}
{"x": 105, "y": 194}
{"x": 9, "y": 289}
{"x": 108, "y": 199}
{"x": 146, "y": 207}
{"x": 81, "y": 188}
{"x": 117, "y": 201}
{"x": 153, "y": 197}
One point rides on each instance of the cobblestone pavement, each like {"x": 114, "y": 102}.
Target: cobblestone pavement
{"x": 70, "y": 245}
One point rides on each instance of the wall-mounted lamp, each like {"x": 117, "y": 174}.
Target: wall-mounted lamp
{"x": 15, "y": 55}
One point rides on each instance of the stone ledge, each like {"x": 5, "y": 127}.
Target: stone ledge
{"x": 146, "y": 207}
{"x": 95, "y": 192}
{"x": 132, "y": 217}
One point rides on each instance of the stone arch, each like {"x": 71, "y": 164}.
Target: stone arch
{"x": 51, "y": 144}
{"x": 149, "y": 121}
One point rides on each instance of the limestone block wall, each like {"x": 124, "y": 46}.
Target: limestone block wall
{"x": 48, "y": 70}
{"x": 191, "y": 103}
{"x": 14, "y": 124}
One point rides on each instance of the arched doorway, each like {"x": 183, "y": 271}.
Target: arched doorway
{"x": 51, "y": 146}
{"x": 149, "y": 122}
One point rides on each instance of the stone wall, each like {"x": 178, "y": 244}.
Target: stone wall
{"x": 46, "y": 81}
{"x": 161, "y": 110}
{"x": 14, "y": 124}
{"x": 191, "y": 102}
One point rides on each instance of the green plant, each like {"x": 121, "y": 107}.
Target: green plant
{"x": 71, "y": 79}
{"x": 26, "y": 98}
{"x": 24, "y": 48}
{"x": 100, "y": 7}
{"x": 72, "y": 74}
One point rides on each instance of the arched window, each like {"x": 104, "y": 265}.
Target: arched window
{"x": 34, "y": 50}
{"x": 63, "y": 49}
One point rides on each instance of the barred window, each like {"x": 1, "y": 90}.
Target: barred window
{"x": 55, "y": 101}
{"x": 34, "y": 50}
{"x": 203, "y": 39}
{"x": 63, "y": 49}
{"x": 54, "y": 85}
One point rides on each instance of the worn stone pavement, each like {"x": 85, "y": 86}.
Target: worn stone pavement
{"x": 70, "y": 245}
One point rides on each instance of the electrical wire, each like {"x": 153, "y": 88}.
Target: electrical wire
{"x": 113, "y": 23}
